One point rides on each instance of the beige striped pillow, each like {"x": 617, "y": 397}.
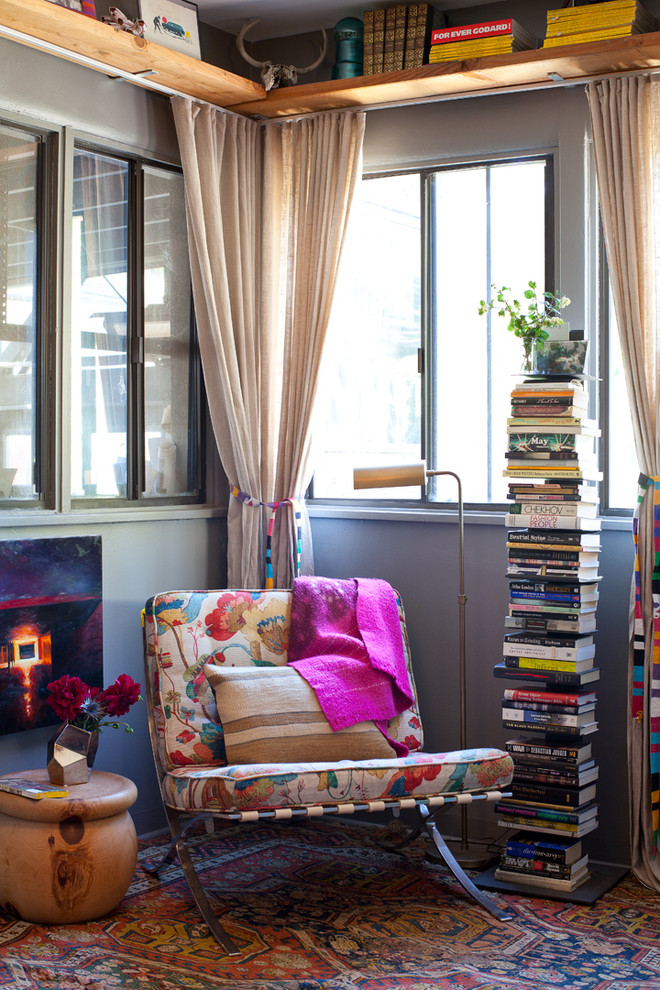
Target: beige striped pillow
{"x": 271, "y": 715}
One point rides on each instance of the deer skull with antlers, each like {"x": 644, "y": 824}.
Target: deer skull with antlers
{"x": 273, "y": 75}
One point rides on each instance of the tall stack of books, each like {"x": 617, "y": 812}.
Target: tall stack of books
{"x": 396, "y": 37}
{"x": 549, "y": 651}
{"x": 476, "y": 40}
{"x": 596, "y": 22}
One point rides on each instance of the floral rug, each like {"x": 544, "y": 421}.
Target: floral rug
{"x": 320, "y": 905}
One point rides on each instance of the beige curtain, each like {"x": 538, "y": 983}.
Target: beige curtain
{"x": 265, "y": 244}
{"x": 311, "y": 167}
{"x": 626, "y": 133}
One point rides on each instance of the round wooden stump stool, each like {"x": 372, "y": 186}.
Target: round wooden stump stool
{"x": 67, "y": 859}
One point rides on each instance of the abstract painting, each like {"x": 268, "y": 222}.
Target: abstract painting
{"x": 51, "y": 623}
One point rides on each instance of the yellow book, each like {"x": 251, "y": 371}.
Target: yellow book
{"x": 585, "y": 37}
{"x": 31, "y": 788}
{"x": 472, "y": 49}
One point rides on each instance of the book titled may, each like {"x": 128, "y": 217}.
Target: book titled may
{"x": 31, "y": 788}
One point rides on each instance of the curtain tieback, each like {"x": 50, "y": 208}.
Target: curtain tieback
{"x": 296, "y": 527}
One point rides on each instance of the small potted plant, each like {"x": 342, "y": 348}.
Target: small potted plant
{"x": 531, "y": 325}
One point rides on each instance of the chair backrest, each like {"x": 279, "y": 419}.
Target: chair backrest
{"x": 185, "y": 630}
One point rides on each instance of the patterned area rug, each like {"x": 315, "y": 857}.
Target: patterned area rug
{"x": 320, "y": 905}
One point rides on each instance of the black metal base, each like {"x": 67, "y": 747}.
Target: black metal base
{"x": 603, "y": 877}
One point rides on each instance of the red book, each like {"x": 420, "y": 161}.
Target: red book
{"x": 487, "y": 29}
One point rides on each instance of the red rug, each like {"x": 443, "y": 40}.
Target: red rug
{"x": 319, "y": 905}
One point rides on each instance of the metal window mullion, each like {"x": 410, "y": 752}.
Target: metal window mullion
{"x": 429, "y": 326}
{"x": 135, "y": 480}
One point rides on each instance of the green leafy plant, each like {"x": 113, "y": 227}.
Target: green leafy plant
{"x": 532, "y": 324}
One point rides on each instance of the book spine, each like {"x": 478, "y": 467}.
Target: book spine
{"x": 541, "y": 697}
{"x": 527, "y": 536}
{"x": 553, "y": 728}
{"x": 540, "y": 663}
{"x": 379, "y": 38}
{"x": 565, "y": 796}
{"x": 533, "y": 776}
{"x": 537, "y": 851}
{"x": 388, "y": 39}
{"x": 533, "y": 717}
{"x": 423, "y": 38}
{"x": 543, "y": 652}
{"x": 411, "y": 36}
{"x": 542, "y": 814}
{"x": 545, "y": 521}
{"x": 570, "y": 510}
{"x": 522, "y": 866}
{"x": 470, "y": 31}
{"x": 368, "y": 43}
{"x": 400, "y": 15}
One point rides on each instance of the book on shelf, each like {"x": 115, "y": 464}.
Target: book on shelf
{"x": 548, "y": 588}
{"x": 476, "y": 48}
{"x": 557, "y": 829}
{"x": 534, "y": 880}
{"x": 547, "y": 648}
{"x": 32, "y": 789}
{"x": 379, "y": 39}
{"x": 557, "y": 678}
{"x": 541, "y": 663}
{"x": 588, "y": 37}
{"x": 400, "y": 20}
{"x": 548, "y": 555}
{"x": 563, "y": 852}
{"x": 538, "y": 568}
{"x": 598, "y": 22}
{"x": 574, "y": 699}
{"x": 550, "y": 641}
{"x": 568, "y": 541}
{"x": 520, "y": 606}
{"x": 606, "y": 12}
{"x": 552, "y": 471}
{"x": 558, "y": 777}
{"x": 582, "y": 622}
{"x": 549, "y": 424}
{"x": 556, "y": 408}
{"x": 553, "y": 729}
{"x": 551, "y": 520}
{"x": 543, "y": 705}
{"x": 543, "y": 867}
{"x": 418, "y": 34}
{"x": 530, "y": 811}
{"x": 552, "y": 796}
{"x": 483, "y": 29}
{"x": 388, "y": 39}
{"x": 368, "y": 43}
{"x": 555, "y": 441}
{"x": 566, "y": 751}
{"x": 552, "y": 720}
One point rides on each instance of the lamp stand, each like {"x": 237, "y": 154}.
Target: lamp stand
{"x": 469, "y": 856}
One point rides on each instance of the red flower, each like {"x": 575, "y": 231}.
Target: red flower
{"x": 66, "y": 696}
{"x": 118, "y": 697}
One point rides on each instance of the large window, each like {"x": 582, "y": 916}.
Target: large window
{"x": 411, "y": 369}
{"x": 129, "y": 382}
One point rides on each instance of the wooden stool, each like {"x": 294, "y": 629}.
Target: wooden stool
{"x": 67, "y": 859}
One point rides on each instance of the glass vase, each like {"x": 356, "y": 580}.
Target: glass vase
{"x": 529, "y": 357}
{"x": 71, "y": 753}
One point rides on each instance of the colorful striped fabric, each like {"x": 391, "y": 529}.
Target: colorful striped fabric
{"x": 638, "y": 688}
{"x": 274, "y": 506}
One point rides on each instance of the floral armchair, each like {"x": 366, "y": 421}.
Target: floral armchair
{"x": 189, "y": 633}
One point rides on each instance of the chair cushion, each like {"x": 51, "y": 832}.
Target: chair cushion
{"x": 290, "y": 785}
{"x": 184, "y": 630}
{"x": 272, "y": 715}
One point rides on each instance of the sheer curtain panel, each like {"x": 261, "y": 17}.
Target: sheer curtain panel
{"x": 626, "y": 132}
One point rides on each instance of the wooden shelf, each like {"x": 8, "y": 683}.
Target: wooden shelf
{"x": 75, "y": 34}
{"x": 40, "y": 24}
{"x": 522, "y": 70}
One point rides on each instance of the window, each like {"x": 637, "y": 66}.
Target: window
{"x": 412, "y": 369}
{"x": 134, "y": 394}
{"x": 129, "y": 380}
{"x": 20, "y": 358}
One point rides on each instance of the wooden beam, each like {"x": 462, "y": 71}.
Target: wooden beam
{"x": 41, "y": 21}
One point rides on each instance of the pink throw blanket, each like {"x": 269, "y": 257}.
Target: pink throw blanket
{"x": 345, "y": 641}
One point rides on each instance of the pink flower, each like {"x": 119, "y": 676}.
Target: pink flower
{"x": 66, "y": 696}
{"x": 118, "y": 697}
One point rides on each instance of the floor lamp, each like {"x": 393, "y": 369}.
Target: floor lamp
{"x": 416, "y": 474}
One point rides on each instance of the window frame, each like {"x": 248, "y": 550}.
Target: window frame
{"x": 428, "y": 331}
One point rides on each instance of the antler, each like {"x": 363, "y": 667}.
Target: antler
{"x": 271, "y": 73}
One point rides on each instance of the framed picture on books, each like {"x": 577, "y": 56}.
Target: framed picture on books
{"x": 172, "y": 23}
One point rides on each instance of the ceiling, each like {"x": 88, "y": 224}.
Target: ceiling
{"x": 287, "y": 17}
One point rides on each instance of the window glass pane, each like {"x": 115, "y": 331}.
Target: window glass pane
{"x": 18, "y": 301}
{"x": 99, "y": 387}
{"x": 168, "y": 382}
{"x": 476, "y": 242}
{"x": 368, "y": 410}
{"x": 623, "y": 464}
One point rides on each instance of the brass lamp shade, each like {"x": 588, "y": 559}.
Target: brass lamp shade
{"x": 391, "y": 476}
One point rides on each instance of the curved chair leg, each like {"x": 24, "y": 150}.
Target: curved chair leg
{"x": 456, "y": 868}
{"x": 179, "y": 847}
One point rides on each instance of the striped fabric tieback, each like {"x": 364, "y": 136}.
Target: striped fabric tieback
{"x": 274, "y": 506}
{"x": 637, "y": 711}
